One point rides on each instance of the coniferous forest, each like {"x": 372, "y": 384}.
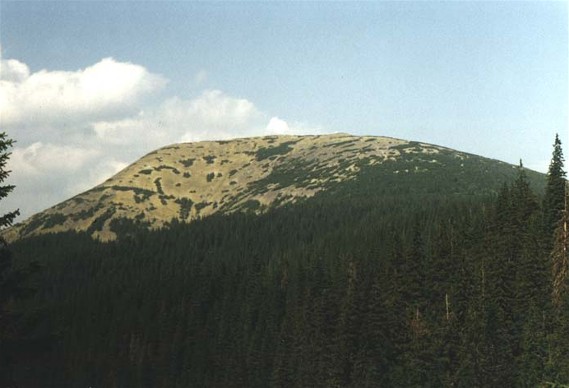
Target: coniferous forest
{"x": 352, "y": 288}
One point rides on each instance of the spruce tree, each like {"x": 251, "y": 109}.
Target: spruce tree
{"x": 554, "y": 193}
{"x": 560, "y": 283}
{"x": 9, "y": 279}
{"x": 5, "y": 144}
{"x": 560, "y": 257}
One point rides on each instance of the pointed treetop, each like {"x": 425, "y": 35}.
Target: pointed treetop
{"x": 556, "y": 165}
{"x": 5, "y": 144}
{"x": 553, "y": 202}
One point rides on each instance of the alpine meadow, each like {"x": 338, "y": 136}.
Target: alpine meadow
{"x": 309, "y": 261}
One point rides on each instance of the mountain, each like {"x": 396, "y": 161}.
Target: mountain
{"x": 315, "y": 261}
{"x": 194, "y": 180}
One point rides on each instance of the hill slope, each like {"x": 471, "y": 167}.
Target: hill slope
{"x": 402, "y": 268}
{"x": 192, "y": 180}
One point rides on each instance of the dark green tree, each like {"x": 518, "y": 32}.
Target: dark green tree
{"x": 554, "y": 193}
{"x": 9, "y": 279}
{"x": 560, "y": 297}
{"x": 559, "y": 257}
{"x": 5, "y": 144}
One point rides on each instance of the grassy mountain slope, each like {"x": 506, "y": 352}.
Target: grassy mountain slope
{"x": 331, "y": 261}
{"x": 192, "y": 180}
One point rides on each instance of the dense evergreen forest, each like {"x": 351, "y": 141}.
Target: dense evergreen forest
{"x": 353, "y": 288}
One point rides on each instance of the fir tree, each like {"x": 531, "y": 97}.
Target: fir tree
{"x": 560, "y": 259}
{"x": 5, "y": 144}
{"x": 554, "y": 193}
{"x": 560, "y": 295}
{"x": 9, "y": 280}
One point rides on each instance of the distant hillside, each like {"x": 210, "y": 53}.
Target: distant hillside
{"x": 193, "y": 180}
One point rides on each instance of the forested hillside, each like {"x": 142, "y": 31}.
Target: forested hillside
{"x": 386, "y": 280}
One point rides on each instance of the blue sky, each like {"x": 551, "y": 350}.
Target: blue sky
{"x": 489, "y": 78}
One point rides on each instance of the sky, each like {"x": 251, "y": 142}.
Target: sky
{"x": 88, "y": 87}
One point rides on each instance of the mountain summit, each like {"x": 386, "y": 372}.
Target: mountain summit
{"x": 192, "y": 180}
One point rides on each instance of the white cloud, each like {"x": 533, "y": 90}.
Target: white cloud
{"x": 14, "y": 71}
{"x": 120, "y": 132}
{"x": 212, "y": 115}
{"x": 76, "y": 129}
{"x": 44, "y": 159}
{"x": 217, "y": 111}
{"x": 105, "y": 90}
{"x": 44, "y": 173}
{"x": 97, "y": 174}
{"x": 277, "y": 126}
{"x": 216, "y": 115}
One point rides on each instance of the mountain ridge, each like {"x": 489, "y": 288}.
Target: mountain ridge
{"x": 188, "y": 181}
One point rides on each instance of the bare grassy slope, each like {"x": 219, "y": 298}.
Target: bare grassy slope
{"x": 191, "y": 180}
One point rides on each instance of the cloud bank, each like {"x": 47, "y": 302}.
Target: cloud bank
{"x": 104, "y": 90}
{"x": 74, "y": 129}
